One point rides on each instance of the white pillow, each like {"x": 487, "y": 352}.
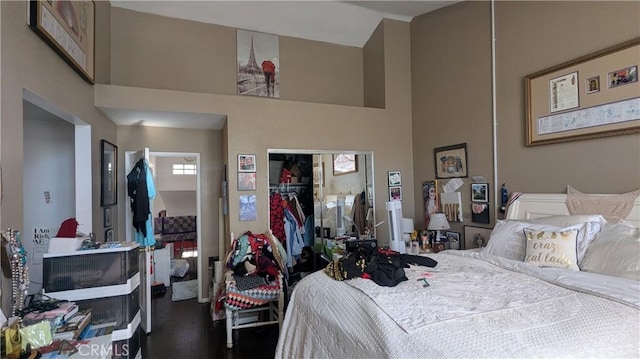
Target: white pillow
{"x": 507, "y": 238}
{"x": 549, "y": 248}
{"x": 595, "y": 223}
{"x": 615, "y": 252}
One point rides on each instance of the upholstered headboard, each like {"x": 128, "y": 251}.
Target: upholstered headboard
{"x": 535, "y": 205}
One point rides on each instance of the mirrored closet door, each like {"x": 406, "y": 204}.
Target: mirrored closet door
{"x": 316, "y": 196}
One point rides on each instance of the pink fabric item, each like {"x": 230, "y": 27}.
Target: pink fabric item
{"x": 613, "y": 208}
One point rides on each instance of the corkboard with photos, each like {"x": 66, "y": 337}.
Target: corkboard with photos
{"x": 596, "y": 95}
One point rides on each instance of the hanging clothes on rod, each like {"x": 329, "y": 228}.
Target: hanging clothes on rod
{"x": 287, "y": 222}
{"x": 360, "y": 209}
{"x": 141, "y": 190}
{"x": 276, "y": 214}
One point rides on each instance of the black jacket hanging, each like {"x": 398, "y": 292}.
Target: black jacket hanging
{"x": 139, "y": 196}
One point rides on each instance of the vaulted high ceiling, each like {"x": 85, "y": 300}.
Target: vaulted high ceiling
{"x": 348, "y": 23}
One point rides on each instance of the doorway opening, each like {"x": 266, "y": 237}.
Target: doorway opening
{"x": 176, "y": 211}
{"x": 57, "y": 181}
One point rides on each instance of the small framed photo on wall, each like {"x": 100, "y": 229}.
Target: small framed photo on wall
{"x": 623, "y": 76}
{"x": 476, "y": 237}
{"x": 480, "y": 192}
{"x": 395, "y": 178}
{"x": 246, "y": 163}
{"x": 593, "y": 85}
{"x": 480, "y": 213}
{"x": 108, "y": 235}
{"x": 395, "y": 193}
{"x": 107, "y": 217}
{"x": 454, "y": 240}
{"x": 248, "y": 210}
{"x": 246, "y": 181}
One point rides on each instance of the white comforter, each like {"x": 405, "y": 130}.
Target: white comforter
{"x": 475, "y": 306}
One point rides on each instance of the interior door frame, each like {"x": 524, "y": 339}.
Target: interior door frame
{"x": 201, "y": 299}
{"x": 130, "y": 160}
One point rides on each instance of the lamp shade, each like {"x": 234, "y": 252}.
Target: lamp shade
{"x": 437, "y": 222}
{"x": 407, "y": 225}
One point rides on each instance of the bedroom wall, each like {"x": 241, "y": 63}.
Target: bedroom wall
{"x": 373, "y": 69}
{"x": 28, "y": 62}
{"x": 175, "y": 54}
{"x": 451, "y": 93}
{"x": 255, "y": 125}
{"x": 167, "y": 181}
{"x": 451, "y": 74}
{"x": 604, "y": 165}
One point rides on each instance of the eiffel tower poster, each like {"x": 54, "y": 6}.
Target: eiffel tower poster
{"x": 258, "y": 64}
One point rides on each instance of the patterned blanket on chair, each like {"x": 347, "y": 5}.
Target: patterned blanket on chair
{"x": 243, "y": 299}
{"x": 254, "y": 255}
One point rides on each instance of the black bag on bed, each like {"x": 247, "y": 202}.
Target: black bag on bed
{"x": 350, "y": 266}
{"x": 383, "y": 266}
{"x": 385, "y": 270}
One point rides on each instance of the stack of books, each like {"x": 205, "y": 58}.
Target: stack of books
{"x": 73, "y": 327}
{"x": 98, "y": 330}
{"x": 65, "y": 311}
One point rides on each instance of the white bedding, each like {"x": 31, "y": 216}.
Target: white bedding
{"x": 476, "y": 306}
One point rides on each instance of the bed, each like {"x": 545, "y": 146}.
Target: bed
{"x": 481, "y": 303}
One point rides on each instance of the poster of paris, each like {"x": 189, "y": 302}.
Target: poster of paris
{"x": 258, "y": 64}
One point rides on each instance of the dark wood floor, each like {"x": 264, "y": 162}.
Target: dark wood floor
{"x": 185, "y": 329}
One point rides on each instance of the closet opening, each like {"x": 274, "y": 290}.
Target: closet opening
{"x": 317, "y": 198}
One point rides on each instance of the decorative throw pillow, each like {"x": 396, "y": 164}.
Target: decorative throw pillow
{"x": 594, "y": 224}
{"x": 613, "y": 208}
{"x": 552, "y": 248}
{"x": 615, "y": 252}
{"x": 507, "y": 237}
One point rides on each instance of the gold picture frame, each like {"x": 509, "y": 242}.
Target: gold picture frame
{"x": 451, "y": 161}
{"x": 567, "y": 102}
{"x": 69, "y": 28}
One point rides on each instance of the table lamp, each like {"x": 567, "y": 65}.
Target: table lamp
{"x": 437, "y": 223}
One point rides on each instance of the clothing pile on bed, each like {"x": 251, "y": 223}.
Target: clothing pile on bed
{"x": 253, "y": 264}
{"x": 383, "y": 266}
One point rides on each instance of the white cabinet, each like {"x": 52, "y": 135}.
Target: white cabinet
{"x": 162, "y": 265}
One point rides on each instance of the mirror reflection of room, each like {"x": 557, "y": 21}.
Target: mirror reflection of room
{"x": 311, "y": 202}
{"x": 343, "y": 203}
